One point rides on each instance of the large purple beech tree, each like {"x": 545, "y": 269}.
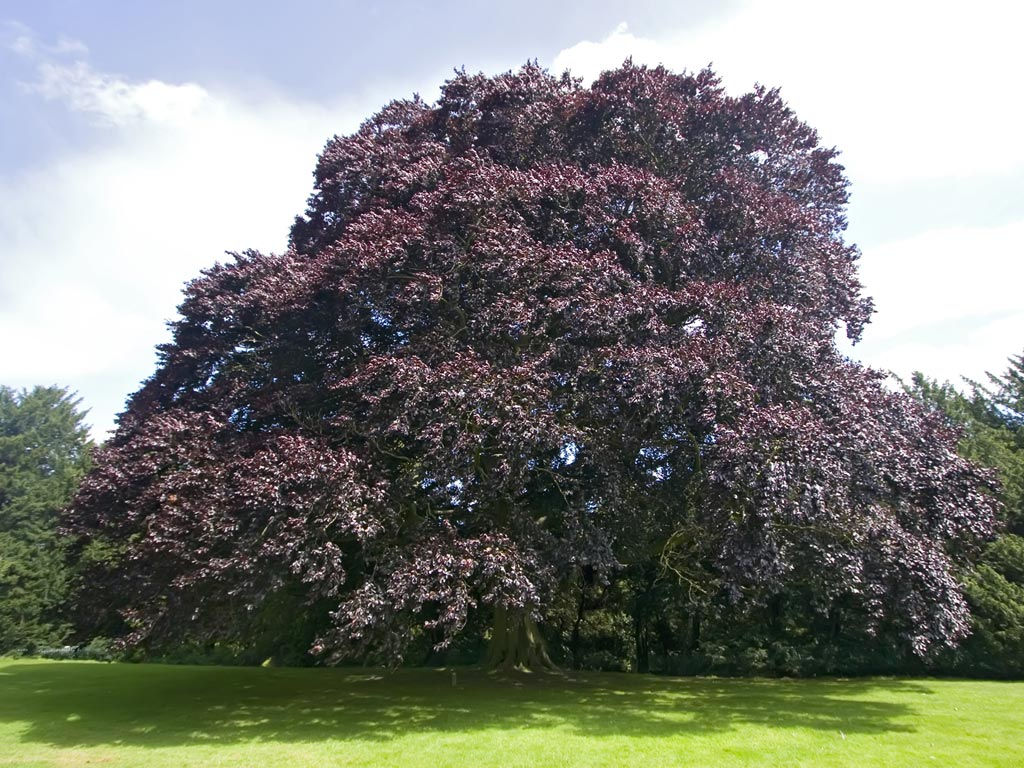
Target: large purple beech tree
{"x": 530, "y": 329}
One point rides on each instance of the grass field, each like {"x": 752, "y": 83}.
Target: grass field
{"x": 83, "y": 713}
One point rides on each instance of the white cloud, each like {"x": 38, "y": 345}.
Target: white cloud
{"x": 942, "y": 273}
{"x": 109, "y": 99}
{"x": 114, "y": 100}
{"x": 24, "y": 43}
{"x": 907, "y": 90}
{"x": 587, "y": 59}
{"x": 96, "y": 244}
{"x": 948, "y": 302}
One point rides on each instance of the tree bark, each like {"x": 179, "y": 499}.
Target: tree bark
{"x": 642, "y": 641}
{"x": 693, "y": 632}
{"x": 578, "y": 623}
{"x": 641, "y": 614}
{"x": 516, "y": 642}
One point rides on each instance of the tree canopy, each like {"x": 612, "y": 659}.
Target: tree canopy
{"x": 531, "y": 330}
{"x": 991, "y": 420}
{"x": 44, "y": 451}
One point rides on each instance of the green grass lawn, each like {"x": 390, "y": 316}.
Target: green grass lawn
{"x": 83, "y": 713}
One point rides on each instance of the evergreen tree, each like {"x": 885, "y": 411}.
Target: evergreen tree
{"x": 44, "y": 451}
{"x": 998, "y": 406}
{"x": 991, "y": 419}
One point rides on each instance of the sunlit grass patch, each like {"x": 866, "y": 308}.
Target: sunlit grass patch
{"x": 81, "y": 713}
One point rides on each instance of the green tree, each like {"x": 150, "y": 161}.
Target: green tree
{"x": 44, "y": 451}
{"x": 998, "y": 411}
{"x": 991, "y": 418}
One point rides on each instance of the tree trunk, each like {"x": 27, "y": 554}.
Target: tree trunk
{"x": 835, "y": 622}
{"x": 516, "y": 642}
{"x": 577, "y": 624}
{"x": 693, "y": 632}
{"x": 642, "y": 603}
{"x": 775, "y": 614}
{"x": 642, "y": 640}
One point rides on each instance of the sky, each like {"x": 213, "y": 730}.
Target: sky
{"x": 139, "y": 142}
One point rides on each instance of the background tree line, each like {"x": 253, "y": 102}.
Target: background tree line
{"x": 646, "y": 618}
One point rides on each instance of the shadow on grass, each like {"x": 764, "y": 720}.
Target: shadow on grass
{"x": 86, "y": 704}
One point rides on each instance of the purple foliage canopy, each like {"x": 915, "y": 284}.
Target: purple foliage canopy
{"x": 529, "y": 328}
